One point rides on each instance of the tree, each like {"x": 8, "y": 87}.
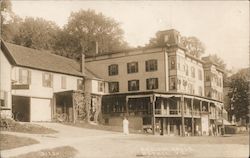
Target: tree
{"x": 86, "y": 28}
{"x": 193, "y": 45}
{"x": 217, "y": 60}
{"x": 37, "y": 33}
{"x": 9, "y": 21}
{"x": 239, "y": 88}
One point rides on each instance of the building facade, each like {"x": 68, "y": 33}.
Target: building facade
{"x": 36, "y": 85}
{"x": 162, "y": 88}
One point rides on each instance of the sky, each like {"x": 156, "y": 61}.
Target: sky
{"x": 223, "y": 26}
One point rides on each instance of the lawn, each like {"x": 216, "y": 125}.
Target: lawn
{"x": 242, "y": 139}
{"x": 27, "y": 128}
{"x": 101, "y": 127}
{"x": 59, "y": 152}
{"x": 9, "y": 141}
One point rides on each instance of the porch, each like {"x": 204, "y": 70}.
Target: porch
{"x": 166, "y": 113}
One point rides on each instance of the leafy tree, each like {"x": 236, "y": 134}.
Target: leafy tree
{"x": 239, "y": 88}
{"x": 219, "y": 61}
{"x": 9, "y": 21}
{"x": 37, "y": 33}
{"x": 193, "y": 45}
{"x": 84, "y": 29}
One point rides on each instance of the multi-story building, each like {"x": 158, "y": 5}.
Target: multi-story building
{"x": 162, "y": 88}
{"x": 35, "y": 85}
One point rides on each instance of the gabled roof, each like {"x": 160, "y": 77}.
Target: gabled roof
{"x": 41, "y": 60}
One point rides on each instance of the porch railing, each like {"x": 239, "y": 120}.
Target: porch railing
{"x": 176, "y": 112}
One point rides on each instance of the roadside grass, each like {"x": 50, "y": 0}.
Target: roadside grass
{"x": 242, "y": 139}
{"x": 9, "y": 141}
{"x": 25, "y": 127}
{"x": 101, "y": 127}
{"x": 59, "y": 152}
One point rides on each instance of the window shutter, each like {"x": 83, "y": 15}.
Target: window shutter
{"x": 29, "y": 77}
{"x": 156, "y": 84}
{"x": 20, "y": 76}
{"x": 5, "y": 98}
{"x": 146, "y": 65}
{"x": 43, "y": 79}
{"x": 51, "y": 80}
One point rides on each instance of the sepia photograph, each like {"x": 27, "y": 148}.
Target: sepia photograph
{"x": 124, "y": 79}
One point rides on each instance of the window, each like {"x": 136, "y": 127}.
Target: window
{"x": 207, "y": 77}
{"x": 24, "y": 76}
{"x": 200, "y": 74}
{"x": 132, "y": 67}
{"x": 47, "y": 80}
{"x": 100, "y": 86}
{"x": 152, "y": 83}
{"x": 187, "y": 70}
{"x": 178, "y": 84}
{"x": 151, "y": 65}
{"x": 200, "y": 91}
{"x": 193, "y": 72}
{"x": 80, "y": 84}
{"x": 166, "y": 38}
{"x": 191, "y": 89}
{"x": 133, "y": 85}
{"x": 113, "y": 69}
{"x": 172, "y": 83}
{"x": 172, "y": 63}
{"x": 3, "y": 98}
{"x": 113, "y": 87}
{"x": 63, "y": 82}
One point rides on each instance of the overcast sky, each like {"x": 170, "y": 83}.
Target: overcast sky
{"x": 222, "y": 26}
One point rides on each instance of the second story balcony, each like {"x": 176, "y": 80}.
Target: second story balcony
{"x": 176, "y": 112}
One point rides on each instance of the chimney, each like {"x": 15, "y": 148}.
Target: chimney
{"x": 82, "y": 64}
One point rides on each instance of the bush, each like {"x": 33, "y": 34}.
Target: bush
{"x": 235, "y": 129}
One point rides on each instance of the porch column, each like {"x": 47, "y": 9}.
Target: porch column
{"x": 216, "y": 119}
{"x": 201, "y": 115}
{"x": 153, "y": 104}
{"x": 53, "y": 106}
{"x": 168, "y": 125}
{"x": 209, "y": 110}
{"x": 127, "y": 106}
{"x": 168, "y": 108}
{"x": 182, "y": 116}
{"x": 162, "y": 107}
{"x": 73, "y": 108}
{"x": 192, "y": 113}
{"x": 164, "y": 126}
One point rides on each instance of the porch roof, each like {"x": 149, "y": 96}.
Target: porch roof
{"x": 166, "y": 95}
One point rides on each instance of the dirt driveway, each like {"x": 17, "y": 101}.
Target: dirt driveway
{"x": 95, "y": 144}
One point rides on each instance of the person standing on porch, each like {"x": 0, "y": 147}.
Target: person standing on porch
{"x": 125, "y": 126}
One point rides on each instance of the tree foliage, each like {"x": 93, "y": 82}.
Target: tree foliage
{"x": 9, "y": 21}
{"x": 36, "y": 33}
{"x": 84, "y": 29}
{"x": 193, "y": 45}
{"x": 239, "y": 88}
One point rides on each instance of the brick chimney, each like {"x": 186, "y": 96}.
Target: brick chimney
{"x": 82, "y": 63}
